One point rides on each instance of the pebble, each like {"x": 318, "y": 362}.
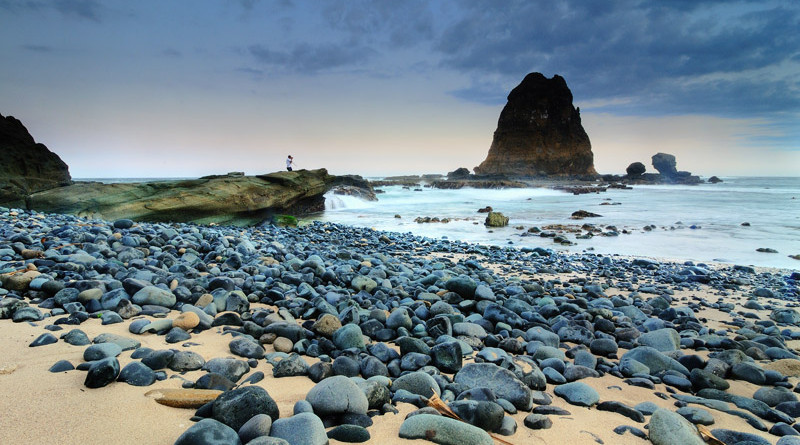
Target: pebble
{"x": 137, "y": 374}
{"x": 209, "y": 432}
{"x": 668, "y": 428}
{"x": 337, "y": 395}
{"x": 102, "y": 372}
{"x": 234, "y": 408}
{"x": 443, "y": 430}
{"x": 300, "y": 429}
{"x": 258, "y": 425}
{"x": 578, "y": 393}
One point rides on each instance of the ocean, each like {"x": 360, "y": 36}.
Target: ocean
{"x": 723, "y": 222}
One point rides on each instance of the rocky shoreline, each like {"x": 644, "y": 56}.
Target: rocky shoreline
{"x": 366, "y": 327}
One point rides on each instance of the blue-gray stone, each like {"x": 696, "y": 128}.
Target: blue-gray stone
{"x": 123, "y": 342}
{"x": 578, "y": 393}
{"x": 231, "y": 368}
{"x": 337, "y": 395}
{"x": 61, "y": 366}
{"x": 186, "y": 361}
{"x": 417, "y": 382}
{"x": 44, "y": 339}
{"x": 110, "y": 318}
{"x": 443, "y": 430}
{"x": 663, "y": 340}
{"x": 258, "y": 425}
{"x": 209, "y": 432}
{"x": 155, "y": 296}
{"x": 76, "y": 337}
{"x": 736, "y": 437}
{"x": 101, "y": 351}
{"x": 349, "y": 336}
{"x": 137, "y": 374}
{"x": 300, "y": 429}
{"x": 235, "y": 407}
{"x": 696, "y": 415}
{"x": 654, "y": 360}
{"x": 349, "y": 434}
{"x": 500, "y": 380}
{"x": 102, "y": 372}
{"x": 244, "y": 347}
{"x": 669, "y": 428}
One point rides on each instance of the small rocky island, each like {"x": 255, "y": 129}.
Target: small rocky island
{"x": 539, "y": 133}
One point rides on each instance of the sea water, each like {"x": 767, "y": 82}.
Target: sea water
{"x": 702, "y": 223}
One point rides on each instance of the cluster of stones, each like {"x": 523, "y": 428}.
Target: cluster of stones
{"x": 487, "y": 344}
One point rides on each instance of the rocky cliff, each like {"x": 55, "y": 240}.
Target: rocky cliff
{"x": 539, "y": 133}
{"x": 25, "y": 166}
{"x": 227, "y": 199}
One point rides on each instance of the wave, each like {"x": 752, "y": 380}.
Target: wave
{"x": 344, "y": 202}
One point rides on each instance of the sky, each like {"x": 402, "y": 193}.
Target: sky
{"x": 185, "y": 88}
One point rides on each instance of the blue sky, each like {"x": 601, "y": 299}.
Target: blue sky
{"x": 188, "y": 88}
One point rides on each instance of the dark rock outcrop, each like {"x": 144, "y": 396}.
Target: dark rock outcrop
{"x": 459, "y": 173}
{"x": 479, "y": 184}
{"x": 235, "y": 200}
{"x": 26, "y": 167}
{"x": 635, "y": 169}
{"x": 539, "y": 133}
{"x": 665, "y": 164}
{"x": 667, "y": 168}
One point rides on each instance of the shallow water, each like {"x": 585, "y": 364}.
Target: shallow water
{"x": 717, "y": 211}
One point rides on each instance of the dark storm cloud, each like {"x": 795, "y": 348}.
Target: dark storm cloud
{"x": 310, "y": 59}
{"x": 699, "y": 56}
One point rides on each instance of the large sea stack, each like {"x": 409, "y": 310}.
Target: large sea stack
{"x": 539, "y": 133}
{"x": 25, "y": 166}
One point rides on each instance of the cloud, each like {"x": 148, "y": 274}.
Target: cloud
{"x": 306, "y": 58}
{"x": 653, "y": 53}
{"x": 85, "y": 9}
{"x": 171, "y": 52}
{"x": 38, "y": 48}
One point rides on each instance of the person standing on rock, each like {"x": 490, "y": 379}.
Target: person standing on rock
{"x": 289, "y": 163}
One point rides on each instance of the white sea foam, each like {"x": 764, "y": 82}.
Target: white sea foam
{"x": 716, "y": 211}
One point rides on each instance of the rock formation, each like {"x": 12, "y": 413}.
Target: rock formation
{"x": 665, "y": 164}
{"x": 635, "y": 169}
{"x": 459, "y": 173}
{"x": 667, "y": 168}
{"x": 233, "y": 200}
{"x": 539, "y": 133}
{"x": 25, "y": 166}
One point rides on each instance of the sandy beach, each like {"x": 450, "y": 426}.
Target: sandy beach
{"x": 44, "y": 407}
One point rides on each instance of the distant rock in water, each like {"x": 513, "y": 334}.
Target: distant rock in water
{"x": 635, "y": 169}
{"x": 459, "y": 173}
{"x": 539, "y": 133}
{"x": 665, "y": 164}
{"x": 26, "y": 167}
{"x": 667, "y": 168}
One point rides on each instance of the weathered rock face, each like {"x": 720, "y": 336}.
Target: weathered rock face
{"x": 667, "y": 168}
{"x": 234, "y": 200}
{"x": 635, "y": 169}
{"x": 25, "y": 166}
{"x": 665, "y": 164}
{"x": 539, "y": 133}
